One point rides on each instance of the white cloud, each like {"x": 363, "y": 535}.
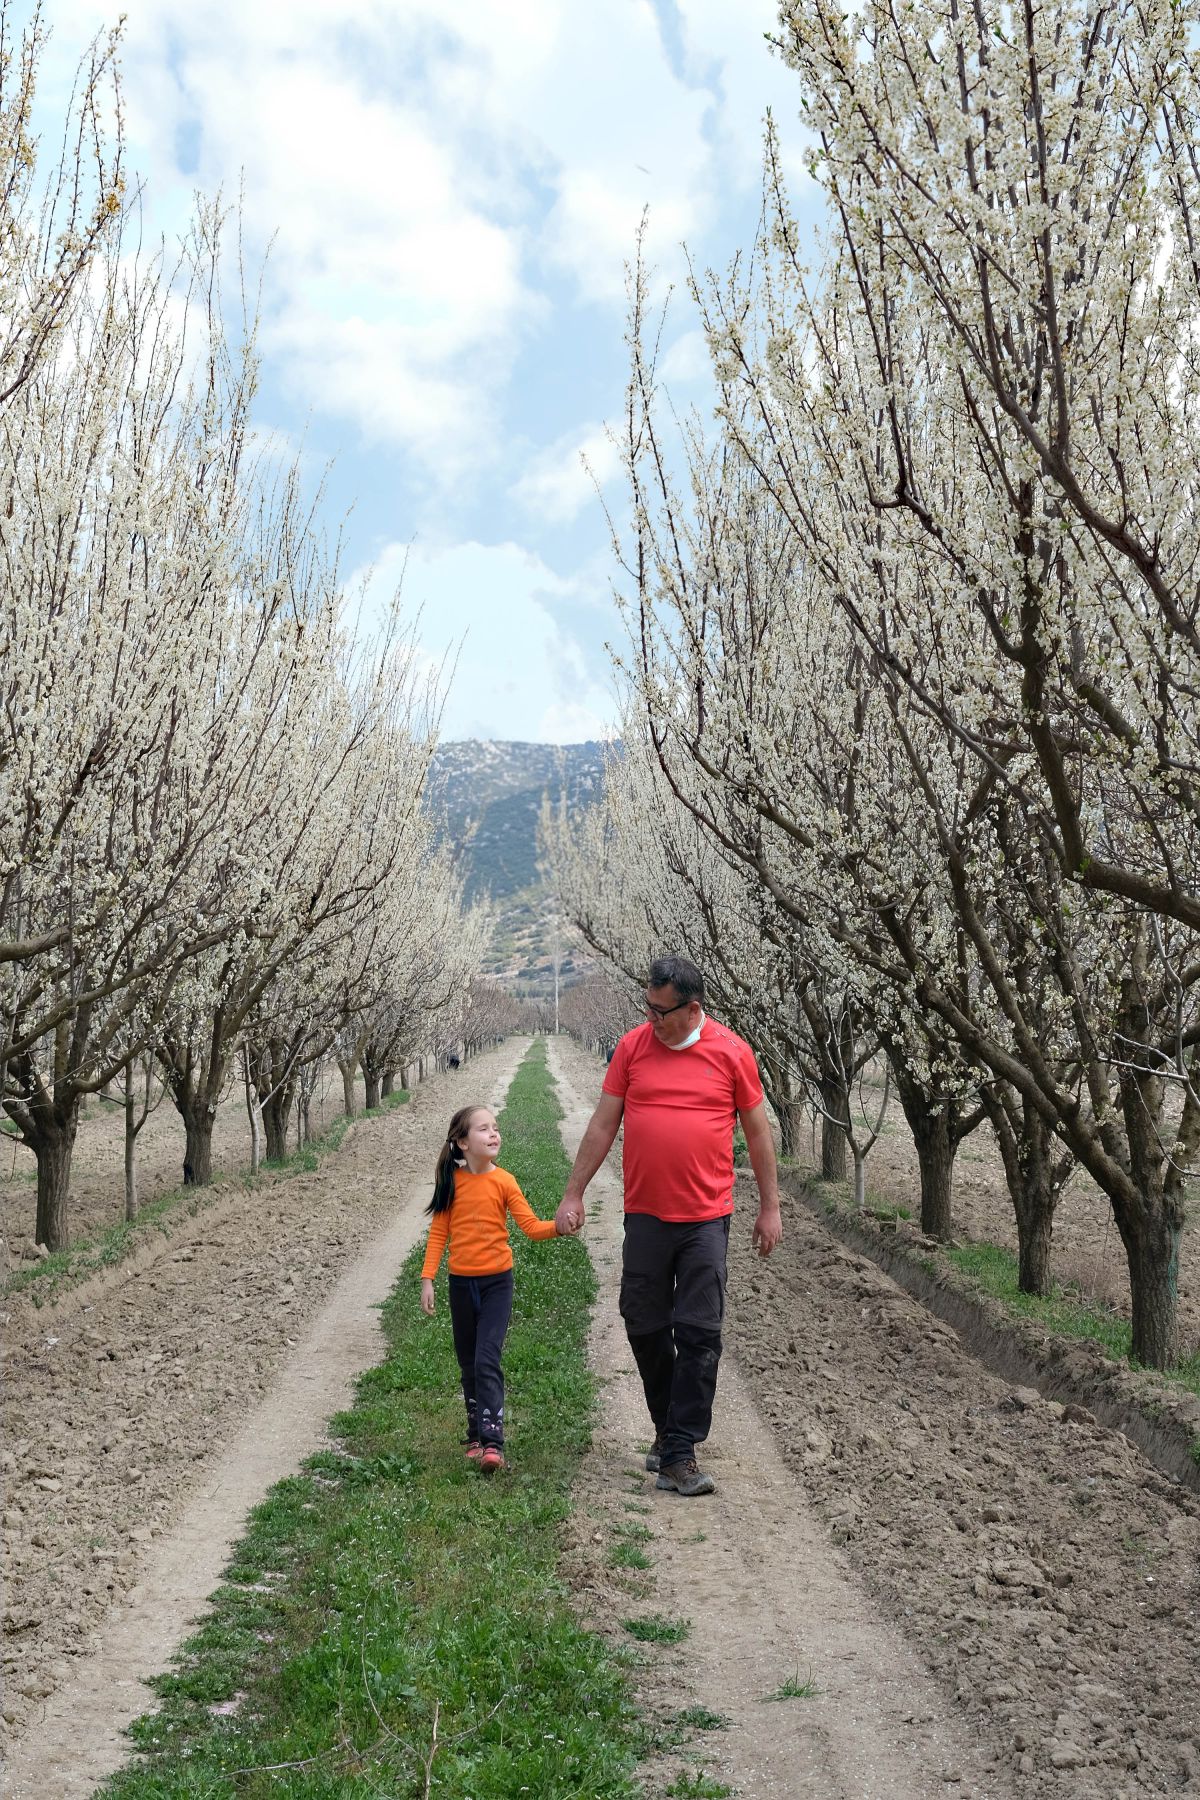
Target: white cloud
{"x": 395, "y": 297}
{"x": 586, "y": 96}
{"x": 423, "y": 171}
{"x": 571, "y": 723}
{"x": 519, "y": 672}
{"x": 728, "y": 46}
{"x": 562, "y": 480}
{"x": 442, "y": 186}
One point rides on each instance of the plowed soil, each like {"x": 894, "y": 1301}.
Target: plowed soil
{"x": 1040, "y": 1578}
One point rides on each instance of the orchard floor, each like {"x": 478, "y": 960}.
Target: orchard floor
{"x": 98, "y": 1164}
{"x": 1087, "y": 1256}
{"x": 988, "y": 1597}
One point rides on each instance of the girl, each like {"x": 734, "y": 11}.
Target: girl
{"x": 471, "y": 1202}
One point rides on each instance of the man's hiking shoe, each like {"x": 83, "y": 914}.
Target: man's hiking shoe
{"x": 654, "y": 1455}
{"x": 491, "y": 1460}
{"x": 474, "y": 1449}
{"x": 685, "y": 1478}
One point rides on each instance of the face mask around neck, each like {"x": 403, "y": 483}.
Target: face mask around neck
{"x": 692, "y": 1038}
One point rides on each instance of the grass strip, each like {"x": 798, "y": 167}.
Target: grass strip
{"x": 47, "y": 1279}
{"x": 392, "y": 1622}
{"x": 995, "y": 1270}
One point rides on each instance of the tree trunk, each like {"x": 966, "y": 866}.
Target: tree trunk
{"x": 1035, "y": 1235}
{"x": 131, "y": 1197}
{"x": 1150, "y": 1218}
{"x": 833, "y": 1136}
{"x": 388, "y": 1086}
{"x": 371, "y": 1077}
{"x": 1035, "y": 1201}
{"x": 1035, "y": 1181}
{"x": 931, "y": 1122}
{"x": 197, "y": 1152}
{"x": 1152, "y": 1248}
{"x": 347, "y": 1069}
{"x": 790, "y": 1112}
{"x": 253, "y": 1113}
{"x": 275, "y": 1123}
{"x": 53, "y": 1147}
{"x": 792, "y": 1116}
{"x": 860, "y": 1180}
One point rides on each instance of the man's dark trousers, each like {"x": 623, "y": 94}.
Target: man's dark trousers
{"x": 673, "y": 1303}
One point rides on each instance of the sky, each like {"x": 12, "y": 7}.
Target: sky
{"x": 450, "y": 192}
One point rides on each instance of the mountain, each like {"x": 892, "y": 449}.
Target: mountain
{"x": 490, "y": 795}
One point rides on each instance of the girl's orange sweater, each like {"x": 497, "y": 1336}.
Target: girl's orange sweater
{"x": 476, "y": 1223}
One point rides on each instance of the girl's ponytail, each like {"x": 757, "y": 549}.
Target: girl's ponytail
{"x": 443, "y": 1174}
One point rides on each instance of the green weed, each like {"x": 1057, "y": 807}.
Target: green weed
{"x": 699, "y": 1787}
{"x": 699, "y": 1718}
{"x": 795, "y": 1689}
{"x": 654, "y": 1629}
{"x": 628, "y": 1556}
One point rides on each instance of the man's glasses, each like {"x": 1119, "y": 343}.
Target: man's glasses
{"x": 662, "y": 1012}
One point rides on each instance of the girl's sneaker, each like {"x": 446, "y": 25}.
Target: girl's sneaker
{"x": 474, "y": 1449}
{"x": 491, "y": 1460}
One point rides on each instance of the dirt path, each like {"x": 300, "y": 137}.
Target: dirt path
{"x": 753, "y": 1569}
{"x": 147, "y": 1424}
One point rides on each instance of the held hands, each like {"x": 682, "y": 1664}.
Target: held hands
{"x": 569, "y": 1218}
{"x": 768, "y": 1229}
{"x": 428, "y": 1303}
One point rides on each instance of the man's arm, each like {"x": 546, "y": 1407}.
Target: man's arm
{"x": 768, "y": 1227}
{"x": 594, "y": 1146}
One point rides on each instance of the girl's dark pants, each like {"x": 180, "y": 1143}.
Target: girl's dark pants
{"x": 480, "y": 1309}
{"x": 673, "y": 1303}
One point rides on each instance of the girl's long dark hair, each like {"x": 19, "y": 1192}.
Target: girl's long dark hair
{"x": 443, "y": 1175}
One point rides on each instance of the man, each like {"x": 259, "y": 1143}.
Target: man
{"x": 678, "y": 1081}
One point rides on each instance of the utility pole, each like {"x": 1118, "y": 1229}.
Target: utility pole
{"x": 557, "y": 962}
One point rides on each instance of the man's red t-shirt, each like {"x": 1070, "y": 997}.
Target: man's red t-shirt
{"x": 680, "y": 1107}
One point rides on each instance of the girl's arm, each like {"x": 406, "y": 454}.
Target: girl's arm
{"x": 435, "y": 1247}
{"x": 526, "y": 1218}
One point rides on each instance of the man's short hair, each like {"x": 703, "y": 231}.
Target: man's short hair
{"x": 679, "y": 973}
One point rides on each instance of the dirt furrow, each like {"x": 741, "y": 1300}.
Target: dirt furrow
{"x": 1047, "y": 1572}
{"x": 141, "y": 1427}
